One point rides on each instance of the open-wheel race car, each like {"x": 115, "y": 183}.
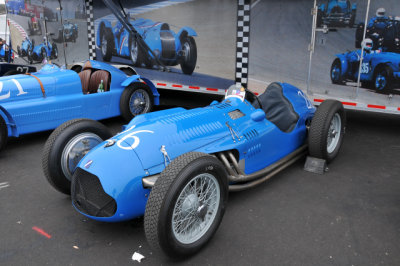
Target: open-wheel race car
{"x": 176, "y": 166}
{"x": 379, "y": 70}
{"x": 68, "y": 32}
{"x": 42, "y": 51}
{"x": 26, "y": 47}
{"x": 337, "y": 13}
{"x": 170, "y": 48}
{"x": 45, "y": 99}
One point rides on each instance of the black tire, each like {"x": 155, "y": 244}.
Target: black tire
{"x": 19, "y": 51}
{"x": 133, "y": 45}
{"x": 30, "y": 59}
{"x": 319, "y": 19}
{"x": 3, "y": 133}
{"x": 359, "y": 35}
{"x": 59, "y": 141}
{"x": 352, "y": 19}
{"x": 141, "y": 90}
{"x": 188, "y": 62}
{"x": 322, "y": 125}
{"x": 336, "y": 77}
{"x": 106, "y": 40}
{"x": 54, "y": 51}
{"x": 11, "y": 72}
{"x": 164, "y": 196}
{"x": 43, "y": 54}
{"x": 386, "y": 73}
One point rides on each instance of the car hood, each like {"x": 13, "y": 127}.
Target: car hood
{"x": 162, "y": 136}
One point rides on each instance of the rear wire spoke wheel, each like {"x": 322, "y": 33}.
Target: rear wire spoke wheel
{"x": 336, "y": 72}
{"x": 327, "y": 130}
{"x": 136, "y": 99}
{"x": 186, "y": 204}
{"x": 383, "y": 79}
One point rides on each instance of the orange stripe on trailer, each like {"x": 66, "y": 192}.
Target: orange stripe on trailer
{"x": 176, "y": 86}
{"x": 318, "y": 100}
{"x": 376, "y": 106}
{"x": 194, "y": 87}
{"x": 349, "y": 103}
{"x": 161, "y": 84}
{"x": 211, "y": 89}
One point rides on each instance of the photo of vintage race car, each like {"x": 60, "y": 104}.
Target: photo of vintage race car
{"x": 170, "y": 48}
{"x": 379, "y": 70}
{"x": 68, "y": 32}
{"x": 26, "y": 47}
{"x": 383, "y": 31}
{"x": 339, "y": 13}
{"x": 45, "y": 99}
{"x": 5, "y": 55}
{"x": 176, "y": 166}
{"x": 43, "y": 51}
{"x": 34, "y": 26}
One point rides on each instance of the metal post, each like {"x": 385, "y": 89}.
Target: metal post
{"x": 312, "y": 44}
{"x": 362, "y": 51}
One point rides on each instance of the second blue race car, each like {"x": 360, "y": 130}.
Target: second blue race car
{"x": 44, "y": 100}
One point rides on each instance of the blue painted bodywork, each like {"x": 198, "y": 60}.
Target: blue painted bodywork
{"x": 338, "y": 12}
{"x": 26, "y": 110}
{"x": 15, "y": 6}
{"x": 4, "y": 53}
{"x": 372, "y": 61}
{"x": 44, "y": 48}
{"x": 384, "y": 32}
{"x": 26, "y": 46}
{"x": 150, "y": 32}
{"x": 136, "y": 151}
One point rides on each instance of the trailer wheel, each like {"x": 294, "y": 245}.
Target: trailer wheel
{"x": 136, "y": 99}
{"x": 3, "y": 133}
{"x": 326, "y": 131}
{"x": 186, "y": 204}
{"x": 66, "y": 146}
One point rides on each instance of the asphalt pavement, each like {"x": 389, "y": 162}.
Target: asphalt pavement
{"x": 348, "y": 216}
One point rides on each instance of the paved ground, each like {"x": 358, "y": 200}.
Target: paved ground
{"x": 349, "y": 216}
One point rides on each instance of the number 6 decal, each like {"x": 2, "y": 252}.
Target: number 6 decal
{"x": 136, "y": 140}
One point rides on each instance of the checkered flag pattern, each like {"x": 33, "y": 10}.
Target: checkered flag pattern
{"x": 91, "y": 31}
{"x": 242, "y": 42}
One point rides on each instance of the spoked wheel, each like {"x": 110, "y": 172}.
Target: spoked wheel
{"x": 134, "y": 51}
{"x": 136, "y": 99}
{"x": 382, "y": 79}
{"x": 336, "y": 72}
{"x": 326, "y": 130}
{"x": 54, "y": 52}
{"x": 106, "y": 44}
{"x": 66, "y": 146}
{"x": 186, "y": 204}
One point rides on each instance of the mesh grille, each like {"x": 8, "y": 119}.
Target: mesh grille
{"x": 89, "y": 197}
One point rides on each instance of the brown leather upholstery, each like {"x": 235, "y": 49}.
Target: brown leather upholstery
{"x": 85, "y": 78}
{"x": 96, "y": 79}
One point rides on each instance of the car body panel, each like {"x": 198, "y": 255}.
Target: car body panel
{"x": 337, "y": 12}
{"x": 26, "y": 109}
{"x": 150, "y": 141}
{"x": 350, "y": 64}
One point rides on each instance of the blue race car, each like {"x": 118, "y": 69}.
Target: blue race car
{"x": 44, "y": 100}
{"x": 175, "y": 166}
{"x": 337, "y": 13}
{"x": 26, "y": 47}
{"x": 15, "y": 6}
{"x": 68, "y": 32}
{"x": 379, "y": 70}
{"x": 169, "y": 47}
{"x": 43, "y": 51}
{"x": 383, "y": 31}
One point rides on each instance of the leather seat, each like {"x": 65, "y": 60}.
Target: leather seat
{"x": 96, "y": 79}
{"x": 85, "y": 78}
{"x": 278, "y": 109}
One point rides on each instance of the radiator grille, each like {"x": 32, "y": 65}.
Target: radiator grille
{"x": 89, "y": 197}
